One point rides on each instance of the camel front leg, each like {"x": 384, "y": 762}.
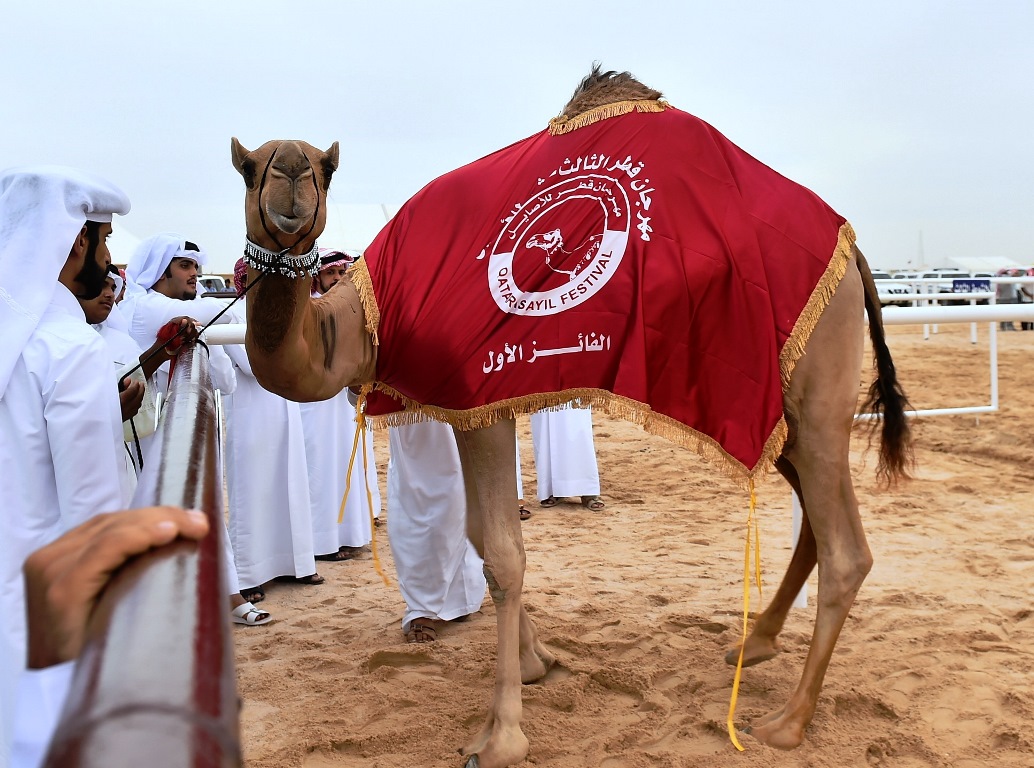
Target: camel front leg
{"x": 488, "y": 459}
{"x": 535, "y": 659}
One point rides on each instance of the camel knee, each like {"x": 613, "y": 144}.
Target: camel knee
{"x": 504, "y": 579}
{"x": 859, "y": 563}
{"x": 841, "y": 579}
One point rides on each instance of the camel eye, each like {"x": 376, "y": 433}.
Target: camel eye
{"x": 248, "y": 172}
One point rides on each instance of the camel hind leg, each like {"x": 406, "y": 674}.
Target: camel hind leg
{"x": 762, "y": 643}
{"x": 819, "y": 407}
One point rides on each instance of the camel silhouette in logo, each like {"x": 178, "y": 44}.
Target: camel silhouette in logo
{"x": 552, "y": 243}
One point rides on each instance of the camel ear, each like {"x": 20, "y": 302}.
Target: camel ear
{"x": 329, "y": 163}
{"x": 244, "y": 166}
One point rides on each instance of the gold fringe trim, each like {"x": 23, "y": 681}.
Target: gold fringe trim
{"x": 561, "y": 125}
{"x": 360, "y": 276}
{"x": 615, "y": 405}
{"x": 820, "y": 297}
{"x": 795, "y": 345}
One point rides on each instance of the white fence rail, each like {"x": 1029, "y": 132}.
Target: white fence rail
{"x": 924, "y": 315}
{"x": 927, "y": 315}
{"x": 969, "y": 313}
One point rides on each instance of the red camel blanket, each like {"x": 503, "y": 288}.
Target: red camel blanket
{"x": 633, "y": 259}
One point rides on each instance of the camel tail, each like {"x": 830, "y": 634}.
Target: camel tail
{"x": 885, "y": 398}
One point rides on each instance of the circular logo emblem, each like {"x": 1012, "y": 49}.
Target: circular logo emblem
{"x": 567, "y": 240}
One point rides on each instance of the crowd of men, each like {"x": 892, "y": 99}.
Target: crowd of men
{"x": 83, "y": 369}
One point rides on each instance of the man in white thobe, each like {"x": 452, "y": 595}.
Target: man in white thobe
{"x": 270, "y": 519}
{"x": 161, "y": 284}
{"x": 138, "y": 415}
{"x": 60, "y": 434}
{"x": 441, "y": 576}
{"x": 329, "y": 427}
{"x": 565, "y": 457}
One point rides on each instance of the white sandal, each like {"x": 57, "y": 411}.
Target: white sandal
{"x": 248, "y": 614}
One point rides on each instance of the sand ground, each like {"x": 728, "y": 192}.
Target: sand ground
{"x": 935, "y": 666}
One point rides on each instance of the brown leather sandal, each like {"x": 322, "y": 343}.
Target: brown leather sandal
{"x": 311, "y": 580}
{"x": 421, "y": 631}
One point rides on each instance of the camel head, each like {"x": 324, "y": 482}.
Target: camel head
{"x": 547, "y": 241}
{"x": 287, "y": 183}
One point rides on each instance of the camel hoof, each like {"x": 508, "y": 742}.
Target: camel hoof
{"x": 537, "y": 668}
{"x": 755, "y": 651}
{"x": 733, "y": 656}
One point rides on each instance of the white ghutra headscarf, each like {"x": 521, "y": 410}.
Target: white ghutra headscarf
{"x": 153, "y": 256}
{"x": 42, "y": 211}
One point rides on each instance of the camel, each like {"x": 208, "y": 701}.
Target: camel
{"x": 307, "y": 350}
{"x": 552, "y": 243}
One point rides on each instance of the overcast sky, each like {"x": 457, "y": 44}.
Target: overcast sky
{"x": 912, "y": 119}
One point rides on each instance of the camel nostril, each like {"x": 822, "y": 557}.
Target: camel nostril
{"x": 291, "y": 162}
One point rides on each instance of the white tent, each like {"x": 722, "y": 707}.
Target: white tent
{"x": 983, "y": 263}
{"x": 353, "y": 226}
{"x": 121, "y": 243}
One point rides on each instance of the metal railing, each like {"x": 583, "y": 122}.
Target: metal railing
{"x": 155, "y": 683}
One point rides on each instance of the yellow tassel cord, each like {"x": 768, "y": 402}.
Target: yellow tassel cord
{"x": 561, "y": 125}
{"x": 360, "y": 435}
{"x": 752, "y": 521}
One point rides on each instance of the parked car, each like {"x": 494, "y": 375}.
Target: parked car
{"x": 887, "y": 283}
{"x": 929, "y": 275}
{"x": 215, "y": 285}
{"x": 949, "y": 275}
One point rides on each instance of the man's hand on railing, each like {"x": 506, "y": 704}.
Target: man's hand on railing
{"x": 171, "y": 338}
{"x": 130, "y": 397}
{"x": 64, "y": 579}
{"x": 187, "y": 329}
